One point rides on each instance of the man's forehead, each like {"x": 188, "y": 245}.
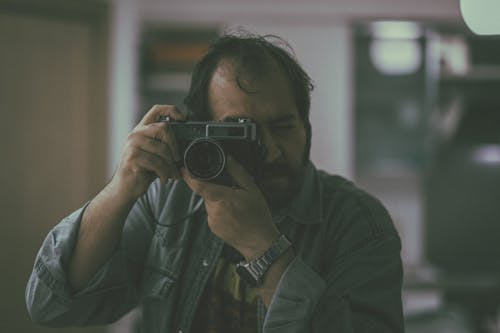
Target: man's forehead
{"x": 250, "y": 79}
{"x": 223, "y": 72}
{"x": 272, "y": 117}
{"x": 265, "y": 99}
{"x": 261, "y": 112}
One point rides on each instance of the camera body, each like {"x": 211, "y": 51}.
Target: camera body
{"x": 205, "y": 145}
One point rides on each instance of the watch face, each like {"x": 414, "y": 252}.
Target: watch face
{"x": 245, "y": 275}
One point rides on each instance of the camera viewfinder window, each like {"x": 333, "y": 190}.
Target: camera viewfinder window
{"x": 226, "y": 131}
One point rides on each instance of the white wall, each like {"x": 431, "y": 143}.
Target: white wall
{"x": 298, "y": 11}
{"x": 123, "y": 77}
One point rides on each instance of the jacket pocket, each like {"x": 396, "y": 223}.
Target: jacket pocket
{"x": 157, "y": 284}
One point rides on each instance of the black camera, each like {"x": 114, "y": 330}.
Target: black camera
{"x": 205, "y": 146}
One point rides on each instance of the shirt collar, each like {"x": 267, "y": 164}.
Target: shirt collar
{"x": 306, "y": 207}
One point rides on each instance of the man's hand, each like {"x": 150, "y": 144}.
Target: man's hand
{"x": 239, "y": 215}
{"x": 150, "y": 151}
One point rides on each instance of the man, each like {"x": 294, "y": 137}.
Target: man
{"x": 295, "y": 250}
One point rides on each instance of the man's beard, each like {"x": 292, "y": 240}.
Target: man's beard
{"x": 280, "y": 183}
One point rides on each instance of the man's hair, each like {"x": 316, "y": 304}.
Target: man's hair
{"x": 250, "y": 55}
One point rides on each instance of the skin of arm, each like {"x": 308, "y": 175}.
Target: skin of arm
{"x": 150, "y": 152}
{"x": 240, "y": 216}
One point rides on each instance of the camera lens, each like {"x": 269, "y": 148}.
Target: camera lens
{"x": 204, "y": 158}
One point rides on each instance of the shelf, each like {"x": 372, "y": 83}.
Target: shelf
{"x": 168, "y": 81}
{"x": 477, "y": 73}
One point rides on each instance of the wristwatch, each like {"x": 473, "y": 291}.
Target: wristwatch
{"x": 254, "y": 270}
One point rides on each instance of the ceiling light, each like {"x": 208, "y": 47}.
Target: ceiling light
{"x": 395, "y": 30}
{"x": 482, "y": 16}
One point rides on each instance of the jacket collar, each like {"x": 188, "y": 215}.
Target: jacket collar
{"x": 306, "y": 207}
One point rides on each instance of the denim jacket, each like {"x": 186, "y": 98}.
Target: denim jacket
{"x": 346, "y": 276}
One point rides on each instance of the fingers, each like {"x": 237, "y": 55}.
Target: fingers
{"x": 239, "y": 174}
{"x": 157, "y": 111}
{"x": 139, "y": 161}
{"x": 209, "y": 191}
{"x": 160, "y": 150}
{"x": 159, "y": 132}
{"x": 151, "y": 150}
{"x": 152, "y": 147}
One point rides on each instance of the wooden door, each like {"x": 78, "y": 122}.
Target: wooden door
{"x": 53, "y": 81}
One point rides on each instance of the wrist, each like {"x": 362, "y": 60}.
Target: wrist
{"x": 276, "y": 270}
{"x": 253, "y": 271}
{"x": 119, "y": 194}
{"x": 260, "y": 246}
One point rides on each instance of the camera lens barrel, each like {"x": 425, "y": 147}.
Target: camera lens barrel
{"x": 204, "y": 158}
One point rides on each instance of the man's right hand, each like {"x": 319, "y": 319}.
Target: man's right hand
{"x": 150, "y": 151}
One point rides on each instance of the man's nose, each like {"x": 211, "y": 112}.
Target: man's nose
{"x": 272, "y": 150}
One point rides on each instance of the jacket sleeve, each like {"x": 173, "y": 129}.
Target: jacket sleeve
{"x": 362, "y": 295}
{"x": 111, "y": 293}
{"x": 359, "y": 290}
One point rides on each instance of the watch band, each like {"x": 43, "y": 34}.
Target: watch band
{"x": 254, "y": 270}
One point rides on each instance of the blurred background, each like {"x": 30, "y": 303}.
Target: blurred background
{"x": 406, "y": 104}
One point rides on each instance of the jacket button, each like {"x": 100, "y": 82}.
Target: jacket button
{"x": 205, "y": 262}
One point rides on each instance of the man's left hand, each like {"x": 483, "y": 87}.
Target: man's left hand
{"x": 239, "y": 215}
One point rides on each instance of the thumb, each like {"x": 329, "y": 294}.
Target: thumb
{"x": 239, "y": 174}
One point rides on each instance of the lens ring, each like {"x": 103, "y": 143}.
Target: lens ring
{"x": 204, "y": 158}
